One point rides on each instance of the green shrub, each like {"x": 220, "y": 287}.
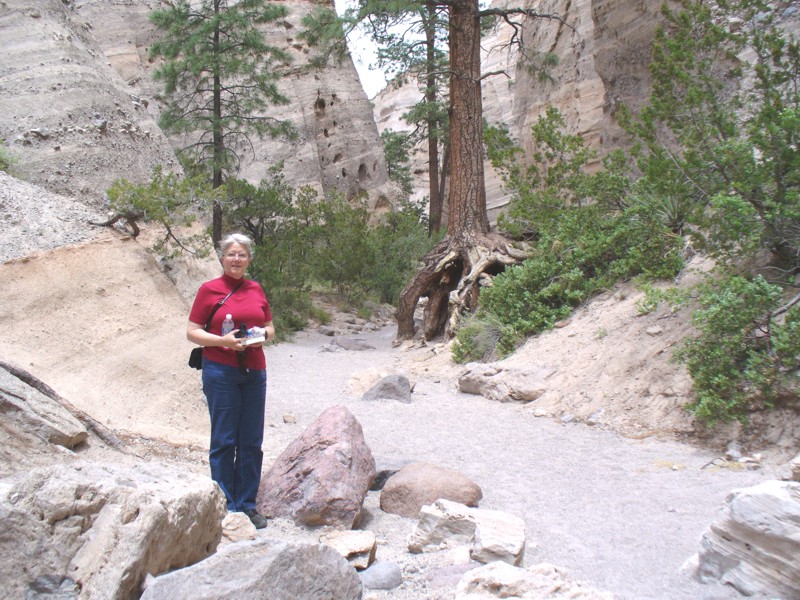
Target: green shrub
{"x": 743, "y": 357}
{"x": 587, "y": 251}
{"x": 588, "y": 230}
{"x": 170, "y": 200}
{"x": 479, "y": 338}
{"x": 7, "y": 160}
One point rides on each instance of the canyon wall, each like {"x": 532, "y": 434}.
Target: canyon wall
{"x": 79, "y": 108}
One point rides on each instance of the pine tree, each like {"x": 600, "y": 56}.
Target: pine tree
{"x": 219, "y": 76}
{"x": 451, "y": 272}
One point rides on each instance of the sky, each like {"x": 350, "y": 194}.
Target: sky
{"x": 363, "y": 52}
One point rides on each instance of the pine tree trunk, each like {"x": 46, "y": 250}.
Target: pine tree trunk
{"x": 467, "y": 197}
{"x": 469, "y": 256}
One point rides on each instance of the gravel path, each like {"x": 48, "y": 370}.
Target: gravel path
{"x": 619, "y": 514}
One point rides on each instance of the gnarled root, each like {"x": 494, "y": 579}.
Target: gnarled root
{"x": 450, "y": 278}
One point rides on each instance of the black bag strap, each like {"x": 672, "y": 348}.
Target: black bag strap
{"x": 218, "y": 305}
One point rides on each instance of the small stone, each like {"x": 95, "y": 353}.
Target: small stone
{"x": 382, "y": 576}
{"x": 654, "y": 331}
{"x": 289, "y": 419}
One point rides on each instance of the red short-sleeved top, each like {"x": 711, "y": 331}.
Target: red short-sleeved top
{"x": 248, "y": 304}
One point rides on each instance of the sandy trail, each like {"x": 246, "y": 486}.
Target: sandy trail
{"x": 621, "y": 515}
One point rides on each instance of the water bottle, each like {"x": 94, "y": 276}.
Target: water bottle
{"x": 227, "y": 325}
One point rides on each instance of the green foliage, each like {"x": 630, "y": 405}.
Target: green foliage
{"x": 169, "y": 200}
{"x": 398, "y": 243}
{"x": 588, "y": 231}
{"x": 7, "y": 159}
{"x": 267, "y": 214}
{"x": 219, "y": 76}
{"x": 397, "y": 150}
{"x": 585, "y": 251}
{"x": 743, "y": 357}
{"x": 479, "y": 337}
{"x": 556, "y": 178}
{"x": 302, "y": 240}
{"x": 720, "y": 135}
{"x": 653, "y": 297}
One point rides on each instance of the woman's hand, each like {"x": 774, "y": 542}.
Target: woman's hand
{"x": 232, "y": 342}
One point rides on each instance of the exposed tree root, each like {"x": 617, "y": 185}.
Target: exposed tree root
{"x": 451, "y": 278}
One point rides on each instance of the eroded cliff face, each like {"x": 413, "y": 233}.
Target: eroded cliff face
{"x": 603, "y": 49}
{"x": 79, "y": 106}
{"x": 67, "y": 117}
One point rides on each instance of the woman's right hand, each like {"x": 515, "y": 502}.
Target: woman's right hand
{"x": 232, "y": 342}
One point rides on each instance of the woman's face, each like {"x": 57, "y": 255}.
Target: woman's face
{"x": 235, "y": 260}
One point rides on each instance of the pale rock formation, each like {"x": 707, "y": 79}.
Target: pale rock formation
{"x": 70, "y": 120}
{"x": 754, "y": 542}
{"x": 79, "y": 106}
{"x": 104, "y": 527}
{"x": 492, "y": 535}
{"x": 262, "y": 569}
{"x": 322, "y": 477}
{"x": 504, "y": 384}
{"x": 418, "y": 484}
{"x": 539, "y": 582}
{"x": 358, "y": 547}
{"x": 237, "y": 527}
{"x": 28, "y": 410}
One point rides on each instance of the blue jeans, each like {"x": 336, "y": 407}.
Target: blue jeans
{"x": 236, "y": 404}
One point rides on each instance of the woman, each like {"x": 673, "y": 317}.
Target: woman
{"x": 234, "y": 376}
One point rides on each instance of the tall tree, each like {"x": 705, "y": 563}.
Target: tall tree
{"x": 453, "y": 270}
{"x": 411, "y": 39}
{"x": 219, "y": 76}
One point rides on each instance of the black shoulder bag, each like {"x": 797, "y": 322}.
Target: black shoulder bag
{"x": 196, "y": 355}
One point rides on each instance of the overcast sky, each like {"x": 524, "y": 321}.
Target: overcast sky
{"x": 363, "y": 52}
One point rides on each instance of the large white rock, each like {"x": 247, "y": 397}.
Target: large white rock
{"x": 543, "y": 581}
{"x": 262, "y": 569}
{"x": 491, "y": 534}
{"x": 754, "y": 543}
{"x": 104, "y": 527}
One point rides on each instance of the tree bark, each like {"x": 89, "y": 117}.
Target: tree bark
{"x": 467, "y": 197}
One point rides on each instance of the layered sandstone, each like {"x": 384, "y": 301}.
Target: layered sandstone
{"x": 79, "y": 107}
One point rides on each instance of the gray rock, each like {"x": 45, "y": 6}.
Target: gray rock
{"x": 382, "y": 576}
{"x": 418, "y": 484}
{"x": 33, "y": 412}
{"x": 262, "y": 569}
{"x": 104, "y": 527}
{"x": 495, "y": 382}
{"x": 322, "y": 477}
{"x": 392, "y": 387}
{"x": 754, "y": 542}
{"x": 734, "y": 450}
{"x": 352, "y": 344}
